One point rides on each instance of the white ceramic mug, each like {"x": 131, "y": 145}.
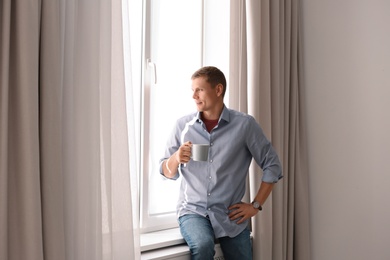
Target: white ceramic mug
{"x": 200, "y": 152}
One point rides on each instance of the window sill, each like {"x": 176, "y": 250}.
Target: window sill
{"x": 168, "y": 244}
{"x": 161, "y": 239}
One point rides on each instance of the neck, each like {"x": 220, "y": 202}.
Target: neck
{"x": 214, "y": 114}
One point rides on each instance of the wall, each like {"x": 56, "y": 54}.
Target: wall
{"x": 346, "y": 46}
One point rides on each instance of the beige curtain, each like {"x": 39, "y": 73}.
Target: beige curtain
{"x": 63, "y": 132}
{"x": 265, "y": 77}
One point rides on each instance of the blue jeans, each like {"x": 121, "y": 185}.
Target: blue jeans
{"x": 199, "y": 235}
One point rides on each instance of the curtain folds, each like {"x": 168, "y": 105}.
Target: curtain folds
{"x": 20, "y": 197}
{"x": 65, "y": 190}
{"x": 269, "y": 38}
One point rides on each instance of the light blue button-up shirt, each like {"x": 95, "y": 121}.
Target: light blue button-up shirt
{"x": 210, "y": 188}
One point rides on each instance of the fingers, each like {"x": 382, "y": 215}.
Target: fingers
{"x": 239, "y": 216}
{"x": 241, "y": 212}
{"x": 183, "y": 155}
{"x": 237, "y": 212}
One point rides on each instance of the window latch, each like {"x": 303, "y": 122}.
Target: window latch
{"x": 153, "y": 66}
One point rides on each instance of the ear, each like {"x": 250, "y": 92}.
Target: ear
{"x": 219, "y": 89}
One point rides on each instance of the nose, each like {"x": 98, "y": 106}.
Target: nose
{"x": 194, "y": 96}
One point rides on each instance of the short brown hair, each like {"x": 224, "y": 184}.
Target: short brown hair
{"x": 213, "y": 76}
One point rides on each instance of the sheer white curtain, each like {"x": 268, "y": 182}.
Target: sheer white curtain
{"x": 265, "y": 82}
{"x": 65, "y": 189}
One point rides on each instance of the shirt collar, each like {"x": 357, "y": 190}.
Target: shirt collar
{"x": 225, "y": 115}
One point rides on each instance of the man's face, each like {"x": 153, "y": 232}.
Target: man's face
{"x": 206, "y": 97}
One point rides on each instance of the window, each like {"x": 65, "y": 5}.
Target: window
{"x": 179, "y": 37}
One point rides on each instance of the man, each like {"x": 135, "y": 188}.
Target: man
{"x": 209, "y": 204}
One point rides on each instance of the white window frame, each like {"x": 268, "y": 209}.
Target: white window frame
{"x": 213, "y": 39}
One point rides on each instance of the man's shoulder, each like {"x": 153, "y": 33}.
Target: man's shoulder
{"x": 187, "y": 118}
{"x": 237, "y": 115}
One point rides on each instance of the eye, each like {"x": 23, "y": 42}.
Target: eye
{"x": 197, "y": 90}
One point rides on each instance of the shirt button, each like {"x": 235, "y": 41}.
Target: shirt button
{"x": 211, "y": 161}
{"x": 211, "y": 144}
{"x": 209, "y": 194}
{"x": 208, "y": 209}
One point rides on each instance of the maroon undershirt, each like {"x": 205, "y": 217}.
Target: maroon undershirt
{"x": 210, "y": 124}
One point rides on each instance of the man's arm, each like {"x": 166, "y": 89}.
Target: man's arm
{"x": 244, "y": 211}
{"x": 182, "y": 155}
{"x": 264, "y": 191}
{"x": 170, "y": 166}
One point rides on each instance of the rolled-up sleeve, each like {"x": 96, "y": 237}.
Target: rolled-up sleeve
{"x": 264, "y": 153}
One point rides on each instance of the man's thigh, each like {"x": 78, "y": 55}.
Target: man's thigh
{"x": 199, "y": 235}
{"x": 238, "y": 247}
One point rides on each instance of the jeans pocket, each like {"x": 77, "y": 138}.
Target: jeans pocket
{"x": 184, "y": 218}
